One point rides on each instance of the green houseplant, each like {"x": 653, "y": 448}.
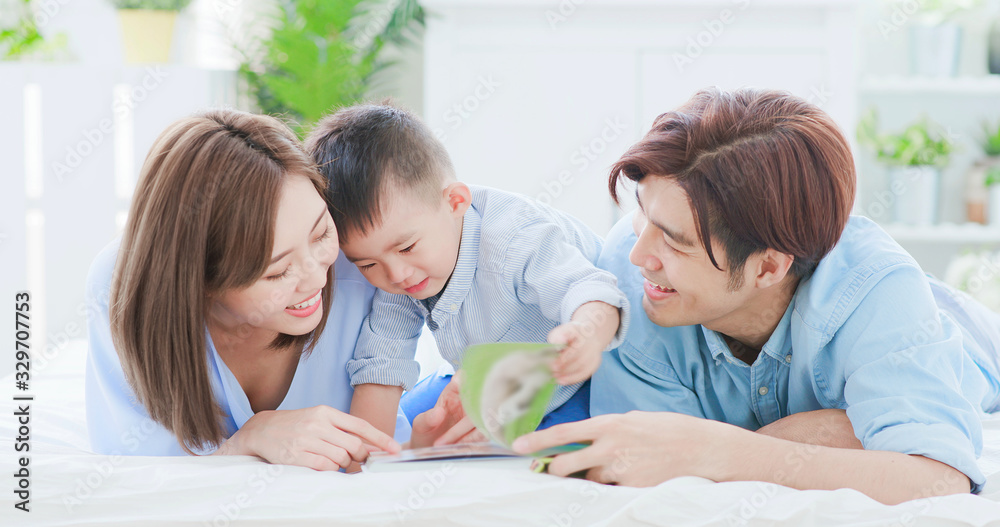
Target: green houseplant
{"x": 983, "y": 177}
{"x": 322, "y": 55}
{"x": 148, "y": 28}
{"x": 914, "y": 158}
{"x": 20, "y": 37}
{"x": 993, "y": 187}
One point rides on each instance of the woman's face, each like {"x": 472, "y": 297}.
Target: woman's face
{"x": 288, "y": 297}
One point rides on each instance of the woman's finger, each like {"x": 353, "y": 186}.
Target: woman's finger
{"x": 364, "y": 430}
{"x": 350, "y": 443}
{"x": 318, "y": 461}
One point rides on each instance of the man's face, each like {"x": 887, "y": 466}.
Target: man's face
{"x": 414, "y": 250}
{"x": 682, "y": 286}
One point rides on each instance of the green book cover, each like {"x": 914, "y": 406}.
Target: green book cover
{"x": 505, "y": 389}
{"x": 507, "y": 386}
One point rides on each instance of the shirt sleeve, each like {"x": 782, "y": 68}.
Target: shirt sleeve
{"x": 903, "y": 372}
{"x": 550, "y": 272}
{"x": 628, "y": 380}
{"x": 387, "y": 344}
{"x": 116, "y": 423}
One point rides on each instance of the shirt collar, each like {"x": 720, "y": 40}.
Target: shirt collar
{"x": 777, "y": 347}
{"x": 460, "y": 282}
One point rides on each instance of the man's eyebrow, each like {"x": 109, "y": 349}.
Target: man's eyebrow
{"x": 399, "y": 241}
{"x": 284, "y": 254}
{"x": 674, "y": 235}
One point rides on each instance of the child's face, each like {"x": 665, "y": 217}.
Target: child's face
{"x": 414, "y": 251}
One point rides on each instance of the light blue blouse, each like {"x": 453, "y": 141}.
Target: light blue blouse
{"x": 913, "y": 361}
{"x": 119, "y": 425}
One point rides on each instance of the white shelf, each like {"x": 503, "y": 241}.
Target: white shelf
{"x": 966, "y": 233}
{"x": 985, "y": 85}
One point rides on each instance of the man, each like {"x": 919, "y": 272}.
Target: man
{"x": 780, "y": 339}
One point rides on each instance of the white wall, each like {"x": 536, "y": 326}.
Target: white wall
{"x": 73, "y": 135}
{"x": 541, "y": 97}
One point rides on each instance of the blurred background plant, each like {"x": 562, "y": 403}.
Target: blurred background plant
{"x": 982, "y": 196}
{"x": 153, "y": 5}
{"x": 321, "y": 55}
{"x": 922, "y": 143}
{"x": 977, "y": 273}
{"x": 935, "y": 12}
{"x": 20, "y": 35}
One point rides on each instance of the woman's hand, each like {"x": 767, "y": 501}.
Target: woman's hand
{"x": 321, "y": 438}
{"x": 446, "y": 423}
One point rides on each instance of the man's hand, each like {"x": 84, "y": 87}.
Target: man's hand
{"x": 646, "y": 448}
{"x": 638, "y": 449}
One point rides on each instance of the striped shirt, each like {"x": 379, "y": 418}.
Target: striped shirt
{"x": 523, "y": 268}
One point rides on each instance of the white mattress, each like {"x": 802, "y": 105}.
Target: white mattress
{"x": 71, "y": 485}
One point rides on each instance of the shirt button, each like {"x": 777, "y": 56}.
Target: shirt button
{"x": 454, "y": 307}
{"x": 788, "y": 358}
{"x": 762, "y": 390}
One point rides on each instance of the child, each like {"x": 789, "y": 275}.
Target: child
{"x": 474, "y": 263}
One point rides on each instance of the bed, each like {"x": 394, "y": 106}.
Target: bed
{"x": 68, "y": 484}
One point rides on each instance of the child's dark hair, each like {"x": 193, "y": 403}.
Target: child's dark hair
{"x": 367, "y": 150}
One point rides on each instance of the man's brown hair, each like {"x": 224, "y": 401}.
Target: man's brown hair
{"x": 201, "y": 223}
{"x": 761, "y": 169}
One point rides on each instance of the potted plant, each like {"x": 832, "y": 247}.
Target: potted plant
{"x": 20, "y": 35}
{"x": 915, "y": 158}
{"x": 323, "y": 55}
{"x": 976, "y": 189}
{"x": 993, "y": 187}
{"x": 935, "y": 38}
{"x": 148, "y": 28}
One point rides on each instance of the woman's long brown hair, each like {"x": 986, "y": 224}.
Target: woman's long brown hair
{"x": 201, "y": 223}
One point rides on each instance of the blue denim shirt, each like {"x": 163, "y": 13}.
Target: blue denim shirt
{"x": 913, "y": 361}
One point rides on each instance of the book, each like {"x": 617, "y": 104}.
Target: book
{"x": 506, "y": 388}
{"x": 480, "y": 455}
{"x": 485, "y": 455}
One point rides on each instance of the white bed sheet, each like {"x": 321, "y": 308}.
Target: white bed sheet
{"x": 71, "y": 485}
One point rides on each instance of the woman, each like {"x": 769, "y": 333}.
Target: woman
{"x": 223, "y": 334}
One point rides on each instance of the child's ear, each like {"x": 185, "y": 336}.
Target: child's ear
{"x": 459, "y": 198}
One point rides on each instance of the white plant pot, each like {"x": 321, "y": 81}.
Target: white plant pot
{"x": 915, "y": 190}
{"x": 934, "y": 50}
{"x": 994, "y": 212}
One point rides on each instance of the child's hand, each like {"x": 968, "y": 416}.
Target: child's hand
{"x": 579, "y": 359}
{"x": 446, "y": 423}
{"x": 591, "y": 329}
